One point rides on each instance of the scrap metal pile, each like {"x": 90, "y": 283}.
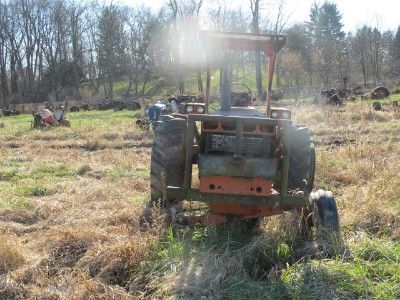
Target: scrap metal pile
{"x": 174, "y": 104}
{"x": 44, "y": 118}
{"x": 338, "y": 96}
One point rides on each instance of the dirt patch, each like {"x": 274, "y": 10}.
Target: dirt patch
{"x": 10, "y": 289}
{"x": 335, "y": 141}
{"x": 13, "y": 145}
{"x": 114, "y": 263}
{"x": 21, "y": 216}
{"x": 84, "y": 288}
{"x": 11, "y": 257}
{"x": 65, "y": 252}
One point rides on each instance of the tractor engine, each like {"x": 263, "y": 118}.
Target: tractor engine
{"x": 248, "y": 167}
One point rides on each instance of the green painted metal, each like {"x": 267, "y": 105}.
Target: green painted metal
{"x": 228, "y": 165}
{"x": 285, "y": 160}
{"x": 187, "y": 181}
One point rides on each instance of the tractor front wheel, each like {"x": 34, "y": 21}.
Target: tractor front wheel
{"x": 325, "y": 216}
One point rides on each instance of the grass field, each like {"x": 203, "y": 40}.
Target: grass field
{"x": 72, "y": 200}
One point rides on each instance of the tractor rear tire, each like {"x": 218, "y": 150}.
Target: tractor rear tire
{"x": 302, "y": 160}
{"x": 167, "y": 158}
{"x": 325, "y": 214}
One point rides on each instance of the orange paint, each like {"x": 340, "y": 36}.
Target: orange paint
{"x": 258, "y": 130}
{"x": 235, "y": 185}
{"x": 248, "y": 211}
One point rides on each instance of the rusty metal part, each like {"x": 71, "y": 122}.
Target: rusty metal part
{"x": 270, "y": 44}
{"x": 247, "y": 211}
{"x": 221, "y": 127}
{"x": 228, "y": 165}
{"x": 223, "y": 212}
{"x": 230, "y": 185}
{"x": 285, "y": 202}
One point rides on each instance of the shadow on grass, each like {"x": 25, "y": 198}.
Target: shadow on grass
{"x": 226, "y": 261}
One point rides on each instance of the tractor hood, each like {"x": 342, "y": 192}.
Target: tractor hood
{"x": 239, "y": 112}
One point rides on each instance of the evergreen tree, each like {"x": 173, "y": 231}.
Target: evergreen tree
{"x": 395, "y": 53}
{"x": 325, "y": 32}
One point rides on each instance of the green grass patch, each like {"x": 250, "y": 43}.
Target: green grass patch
{"x": 16, "y": 126}
{"x": 141, "y": 198}
{"x": 38, "y": 191}
{"x": 83, "y": 123}
{"x": 119, "y": 171}
{"x": 371, "y": 272}
{"x": 54, "y": 170}
{"x": 16, "y": 203}
{"x": 28, "y": 187}
{"x": 6, "y": 175}
{"x": 233, "y": 267}
{"x": 328, "y": 161}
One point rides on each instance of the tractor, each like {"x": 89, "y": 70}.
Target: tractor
{"x": 152, "y": 114}
{"x": 251, "y": 164}
{"x": 45, "y": 118}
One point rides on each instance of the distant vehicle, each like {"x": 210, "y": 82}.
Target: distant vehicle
{"x": 45, "y": 118}
{"x": 152, "y": 115}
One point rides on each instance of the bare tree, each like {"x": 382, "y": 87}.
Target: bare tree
{"x": 110, "y": 48}
{"x": 3, "y": 56}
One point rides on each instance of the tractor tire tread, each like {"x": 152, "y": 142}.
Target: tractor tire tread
{"x": 167, "y": 157}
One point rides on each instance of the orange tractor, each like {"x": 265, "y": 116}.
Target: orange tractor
{"x": 251, "y": 164}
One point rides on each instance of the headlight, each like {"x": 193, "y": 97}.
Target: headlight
{"x": 189, "y": 108}
{"x": 275, "y": 115}
{"x": 285, "y": 115}
{"x": 200, "y": 109}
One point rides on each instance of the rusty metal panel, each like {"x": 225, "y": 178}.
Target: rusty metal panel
{"x": 246, "y": 120}
{"x": 249, "y": 211}
{"x": 220, "y": 165}
{"x": 268, "y": 43}
{"x": 235, "y": 185}
{"x": 286, "y": 202}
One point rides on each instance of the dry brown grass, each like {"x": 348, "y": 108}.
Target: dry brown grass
{"x": 11, "y": 255}
{"x": 86, "y": 240}
{"x": 364, "y": 173}
{"x": 82, "y": 241}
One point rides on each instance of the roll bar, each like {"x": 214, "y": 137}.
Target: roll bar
{"x": 269, "y": 44}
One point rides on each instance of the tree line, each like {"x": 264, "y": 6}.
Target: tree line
{"x": 64, "y": 49}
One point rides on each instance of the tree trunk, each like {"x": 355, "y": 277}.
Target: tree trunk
{"x": 128, "y": 90}
{"x": 110, "y": 89}
{"x": 181, "y": 86}
{"x": 146, "y": 80}
{"x": 199, "y": 82}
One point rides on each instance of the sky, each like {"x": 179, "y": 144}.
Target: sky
{"x": 382, "y": 13}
